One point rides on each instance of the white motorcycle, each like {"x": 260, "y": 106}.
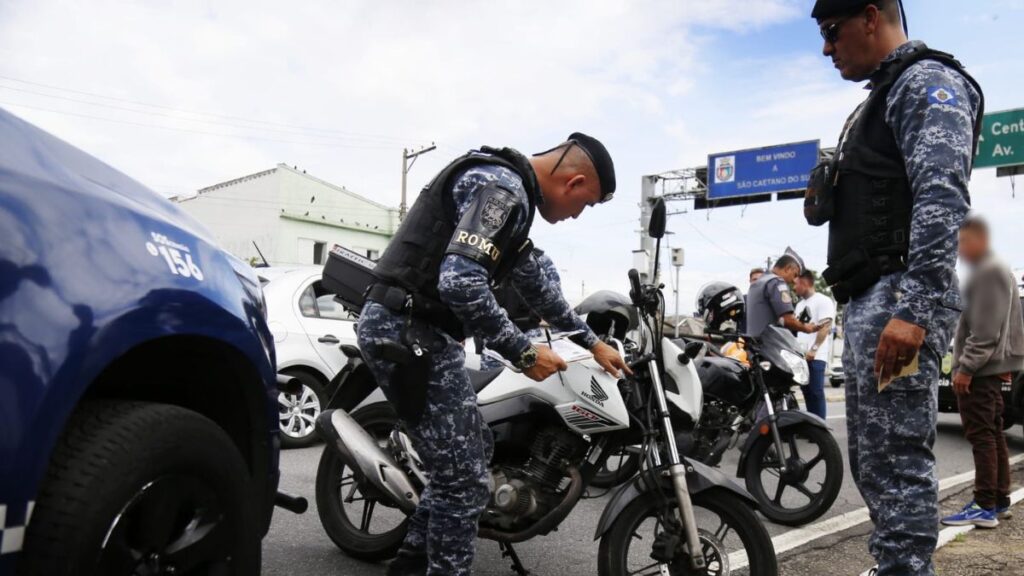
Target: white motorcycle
{"x": 676, "y": 516}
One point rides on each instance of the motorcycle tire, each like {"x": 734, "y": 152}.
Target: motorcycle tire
{"x": 614, "y": 554}
{"x": 332, "y": 492}
{"x": 819, "y": 502}
{"x": 628, "y": 464}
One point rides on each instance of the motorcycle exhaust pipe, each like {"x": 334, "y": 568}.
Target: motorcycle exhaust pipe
{"x": 370, "y": 464}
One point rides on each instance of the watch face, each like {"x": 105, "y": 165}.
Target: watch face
{"x": 529, "y": 358}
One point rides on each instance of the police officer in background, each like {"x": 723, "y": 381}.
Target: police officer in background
{"x": 894, "y": 196}
{"x": 468, "y": 230}
{"x": 770, "y": 302}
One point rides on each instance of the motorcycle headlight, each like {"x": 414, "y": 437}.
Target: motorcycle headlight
{"x": 798, "y": 366}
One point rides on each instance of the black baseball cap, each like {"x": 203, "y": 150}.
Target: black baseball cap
{"x": 829, "y": 8}
{"x": 601, "y": 160}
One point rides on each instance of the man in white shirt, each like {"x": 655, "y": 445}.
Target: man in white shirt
{"x": 819, "y": 310}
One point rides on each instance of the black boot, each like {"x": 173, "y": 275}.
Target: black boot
{"x": 408, "y": 563}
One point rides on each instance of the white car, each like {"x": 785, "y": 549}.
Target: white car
{"x": 308, "y": 328}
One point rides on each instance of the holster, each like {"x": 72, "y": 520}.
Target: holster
{"x": 412, "y": 358}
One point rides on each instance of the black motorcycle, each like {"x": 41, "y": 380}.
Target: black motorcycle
{"x": 789, "y": 460}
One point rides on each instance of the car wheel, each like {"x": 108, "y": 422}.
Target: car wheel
{"x": 835, "y": 382}
{"x": 298, "y": 412}
{"x": 143, "y": 488}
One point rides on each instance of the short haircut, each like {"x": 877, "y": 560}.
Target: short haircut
{"x": 807, "y": 275}
{"x": 975, "y": 223}
{"x": 785, "y": 261}
{"x": 756, "y": 271}
{"x": 890, "y": 9}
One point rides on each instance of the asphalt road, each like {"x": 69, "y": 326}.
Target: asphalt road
{"x": 298, "y": 544}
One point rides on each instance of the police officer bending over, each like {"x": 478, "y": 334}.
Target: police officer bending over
{"x": 468, "y": 231}
{"x": 894, "y": 197}
{"x": 770, "y": 302}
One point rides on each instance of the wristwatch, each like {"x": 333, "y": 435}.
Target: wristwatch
{"x": 528, "y": 359}
{"x": 814, "y": 348}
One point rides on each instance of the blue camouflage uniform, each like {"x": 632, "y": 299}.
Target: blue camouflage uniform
{"x": 451, "y": 437}
{"x": 891, "y": 433}
{"x": 554, "y": 281}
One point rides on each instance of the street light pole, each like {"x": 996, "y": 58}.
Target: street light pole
{"x": 406, "y": 166}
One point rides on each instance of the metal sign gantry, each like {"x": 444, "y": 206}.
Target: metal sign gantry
{"x": 688, "y": 184}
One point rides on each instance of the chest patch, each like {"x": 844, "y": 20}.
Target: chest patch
{"x": 494, "y": 213}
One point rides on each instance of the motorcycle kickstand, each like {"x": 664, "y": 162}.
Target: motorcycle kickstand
{"x": 508, "y": 552}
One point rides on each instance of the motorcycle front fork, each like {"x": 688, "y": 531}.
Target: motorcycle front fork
{"x": 677, "y": 472}
{"x": 773, "y": 419}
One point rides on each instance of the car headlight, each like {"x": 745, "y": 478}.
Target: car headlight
{"x": 798, "y": 366}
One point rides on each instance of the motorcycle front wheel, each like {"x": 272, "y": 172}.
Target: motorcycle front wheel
{"x": 733, "y": 539}
{"x": 809, "y": 485}
{"x": 358, "y": 520}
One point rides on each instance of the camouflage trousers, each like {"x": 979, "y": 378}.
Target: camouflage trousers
{"x": 453, "y": 442}
{"x": 891, "y": 433}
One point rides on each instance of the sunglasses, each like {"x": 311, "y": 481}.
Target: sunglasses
{"x": 830, "y": 33}
{"x": 571, "y": 143}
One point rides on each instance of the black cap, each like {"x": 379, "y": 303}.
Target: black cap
{"x": 601, "y": 159}
{"x": 829, "y": 8}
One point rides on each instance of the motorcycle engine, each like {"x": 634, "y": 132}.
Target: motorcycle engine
{"x": 526, "y": 492}
{"x": 714, "y": 431}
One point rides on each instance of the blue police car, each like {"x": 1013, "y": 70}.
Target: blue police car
{"x": 138, "y": 419}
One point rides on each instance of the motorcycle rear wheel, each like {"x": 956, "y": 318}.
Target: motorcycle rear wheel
{"x": 734, "y": 541}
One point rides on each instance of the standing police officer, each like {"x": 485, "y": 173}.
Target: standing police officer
{"x": 894, "y": 196}
{"x": 468, "y": 231}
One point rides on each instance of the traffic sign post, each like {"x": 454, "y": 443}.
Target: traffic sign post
{"x": 1002, "y": 140}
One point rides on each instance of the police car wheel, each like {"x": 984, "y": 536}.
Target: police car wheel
{"x": 359, "y": 522}
{"x": 143, "y": 488}
{"x": 297, "y": 413}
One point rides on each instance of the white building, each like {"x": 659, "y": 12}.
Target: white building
{"x": 293, "y": 217}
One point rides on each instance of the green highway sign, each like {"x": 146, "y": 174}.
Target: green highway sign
{"x": 1002, "y": 139}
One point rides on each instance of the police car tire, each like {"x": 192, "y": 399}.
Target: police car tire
{"x": 346, "y": 536}
{"x": 108, "y": 452}
{"x": 314, "y": 385}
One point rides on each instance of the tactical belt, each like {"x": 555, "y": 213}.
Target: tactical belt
{"x": 401, "y": 301}
{"x": 857, "y": 272}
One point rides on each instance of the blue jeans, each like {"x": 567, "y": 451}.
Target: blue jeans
{"x": 814, "y": 392}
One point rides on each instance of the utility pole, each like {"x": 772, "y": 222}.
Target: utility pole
{"x": 406, "y": 166}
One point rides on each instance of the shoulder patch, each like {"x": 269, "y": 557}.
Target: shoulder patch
{"x": 941, "y": 95}
{"x": 494, "y": 213}
{"x": 786, "y": 297}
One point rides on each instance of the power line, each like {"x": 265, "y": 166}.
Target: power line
{"x": 716, "y": 245}
{"x": 193, "y": 131}
{"x": 395, "y": 139}
{"x": 179, "y": 118}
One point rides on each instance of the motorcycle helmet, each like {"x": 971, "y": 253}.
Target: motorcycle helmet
{"x": 721, "y": 306}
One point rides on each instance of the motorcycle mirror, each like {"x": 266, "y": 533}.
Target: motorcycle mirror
{"x": 656, "y": 227}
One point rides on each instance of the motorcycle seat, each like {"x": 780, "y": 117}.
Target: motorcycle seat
{"x": 481, "y": 378}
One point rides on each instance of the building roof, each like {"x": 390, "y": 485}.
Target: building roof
{"x": 293, "y": 170}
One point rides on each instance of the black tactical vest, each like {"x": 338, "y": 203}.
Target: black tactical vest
{"x": 869, "y": 230}
{"x": 413, "y": 258}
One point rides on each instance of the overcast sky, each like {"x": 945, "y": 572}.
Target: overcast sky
{"x": 181, "y": 95}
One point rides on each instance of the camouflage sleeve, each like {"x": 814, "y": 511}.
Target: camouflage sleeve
{"x": 931, "y": 110}
{"x": 464, "y": 284}
{"x": 537, "y": 281}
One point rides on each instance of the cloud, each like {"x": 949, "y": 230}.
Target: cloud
{"x": 339, "y": 88}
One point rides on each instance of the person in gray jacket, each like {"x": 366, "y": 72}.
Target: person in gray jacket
{"x": 987, "y": 350}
